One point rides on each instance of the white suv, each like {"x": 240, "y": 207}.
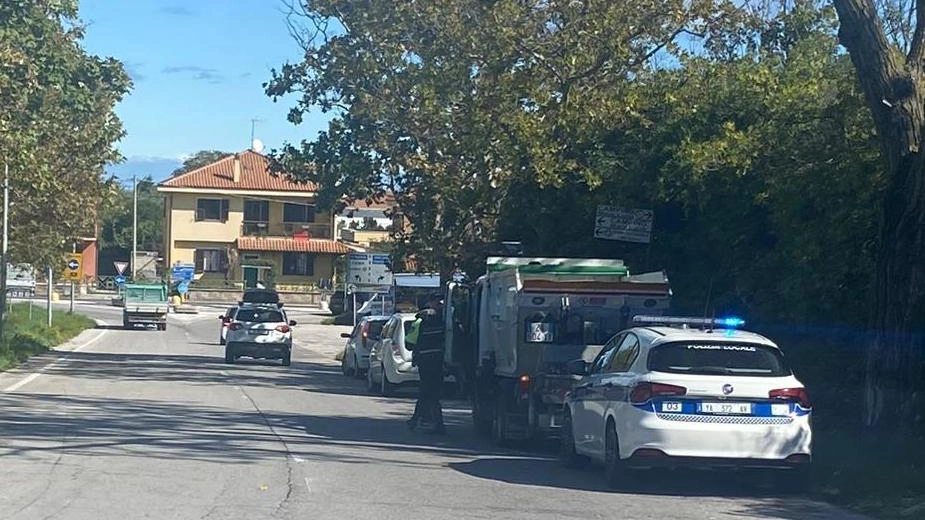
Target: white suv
{"x": 259, "y": 331}
{"x": 660, "y": 396}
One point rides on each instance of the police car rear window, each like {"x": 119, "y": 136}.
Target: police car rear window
{"x": 729, "y": 359}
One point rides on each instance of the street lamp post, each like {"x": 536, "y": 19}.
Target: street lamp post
{"x": 6, "y": 245}
{"x": 134, "y": 225}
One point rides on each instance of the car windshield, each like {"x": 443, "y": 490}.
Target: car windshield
{"x": 734, "y": 359}
{"x": 259, "y": 316}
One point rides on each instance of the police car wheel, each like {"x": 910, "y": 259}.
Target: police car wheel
{"x": 567, "y": 452}
{"x": 613, "y": 466}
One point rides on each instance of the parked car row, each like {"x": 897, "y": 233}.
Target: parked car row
{"x": 376, "y": 350}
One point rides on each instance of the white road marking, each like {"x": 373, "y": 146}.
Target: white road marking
{"x": 32, "y": 377}
{"x": 308, "y": 485}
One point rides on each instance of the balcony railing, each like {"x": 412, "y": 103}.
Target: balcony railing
{"x": 286, "y": 229}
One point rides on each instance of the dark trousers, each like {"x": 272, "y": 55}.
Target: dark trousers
{"x": 428, "y": 407}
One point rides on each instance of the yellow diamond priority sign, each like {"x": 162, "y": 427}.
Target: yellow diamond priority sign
{"x": 74, "y": 267}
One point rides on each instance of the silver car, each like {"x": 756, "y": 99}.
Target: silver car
{"x": 355, "y": 360}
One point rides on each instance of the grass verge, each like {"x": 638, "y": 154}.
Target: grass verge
{"x": 26, "y": 335}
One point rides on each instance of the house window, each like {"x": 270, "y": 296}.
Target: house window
{"x": 210, "y": 260}
{"x": 298, "y": 213}
{"x": 298, "y": 264}
{"x": 212, "y": 209}
{"x": 256, "y": 211}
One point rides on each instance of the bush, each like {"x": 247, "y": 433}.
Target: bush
{"x": 25, "y": 336}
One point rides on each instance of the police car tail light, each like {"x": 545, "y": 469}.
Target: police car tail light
{"x": 792, "y": 394}
{"x": 643, "y": 392}
{"x": 283, "y": 328}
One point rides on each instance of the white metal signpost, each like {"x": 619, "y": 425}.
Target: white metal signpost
{"x": 368, "y": 272}
{"x": 625, "y": 225}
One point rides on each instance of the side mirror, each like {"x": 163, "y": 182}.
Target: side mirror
{"x": 292, "y": 323}
{"x": 221, "y": 317}
{"x": 577, "y": 367}
{"x": 345, "y": 335}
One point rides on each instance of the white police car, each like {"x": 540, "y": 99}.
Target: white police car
{"x": 678, "y": 392}
{"x": 259, "y": 331}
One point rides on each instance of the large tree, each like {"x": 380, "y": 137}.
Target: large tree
{"x": 57, "y": 127}
{"x": 451, "y": 104}
{"x": 893, "y": 81}
{"x": 117, "y": 219}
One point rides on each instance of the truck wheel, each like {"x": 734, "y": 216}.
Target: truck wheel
{"x": 482, "y": 419}
{"x": 287, "y": 359}
{"x": 500, "y": 426}
{"x": 162, "y": 326}
{"x": 229, "y": 356}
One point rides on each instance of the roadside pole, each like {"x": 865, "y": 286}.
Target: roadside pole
{"x": 134, "y": 225}
{"x": 354, "y": 308}
{"x": 72, "y": 286}
{"x": 48, "y": 296}
{"x": 6, "y": 245}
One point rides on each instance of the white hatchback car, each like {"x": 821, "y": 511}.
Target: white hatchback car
{"x": 389, "y": 360}
{"x": 663, "y": 396}
{"x": 355, "y": 359}
{"x": 259, "y": 331}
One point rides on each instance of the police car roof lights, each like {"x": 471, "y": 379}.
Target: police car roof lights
{"x": 729, "y": 322}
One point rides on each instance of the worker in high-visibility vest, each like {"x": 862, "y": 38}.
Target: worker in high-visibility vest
{"x": 425, "y": 341}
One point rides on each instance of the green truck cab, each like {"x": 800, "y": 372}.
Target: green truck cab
{"x": 145, "y": 304}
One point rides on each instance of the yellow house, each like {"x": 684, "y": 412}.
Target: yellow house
{"x": 239, "y": 224}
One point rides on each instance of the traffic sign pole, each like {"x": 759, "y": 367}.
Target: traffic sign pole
{"x": 48, "y": 296}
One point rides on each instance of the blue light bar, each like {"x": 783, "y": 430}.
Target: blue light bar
{"x": 730, "y": 322}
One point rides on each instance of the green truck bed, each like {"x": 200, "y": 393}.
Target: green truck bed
{"x": 145, "y": 304}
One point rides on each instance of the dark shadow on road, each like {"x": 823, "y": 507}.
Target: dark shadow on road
{"x": 111, "y": 327}
{"x": 238, "y": 433}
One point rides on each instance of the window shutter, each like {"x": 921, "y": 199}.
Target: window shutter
{"x": 224, "y": 209}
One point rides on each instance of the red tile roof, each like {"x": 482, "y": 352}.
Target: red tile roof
{"x": 292, "y": 245}
{"x": 255, "y": 176}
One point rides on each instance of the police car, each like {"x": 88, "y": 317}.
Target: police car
{"x": 698, "y": 392}
{"x": 259, "y": 331}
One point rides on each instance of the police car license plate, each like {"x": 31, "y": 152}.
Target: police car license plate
{"x": 727, "y": 408}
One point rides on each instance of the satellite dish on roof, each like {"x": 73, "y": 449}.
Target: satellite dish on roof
{"x": 257, "y": 145}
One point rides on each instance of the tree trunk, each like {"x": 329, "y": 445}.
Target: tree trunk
{"x": 893, "y": 88}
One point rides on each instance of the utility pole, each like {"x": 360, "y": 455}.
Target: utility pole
{"x": 73, "y": 286}
{"x": 6, "y": 245}
{"x": 253, "y": 131}
{"x": 134, "y": 225}
{"x": 48, "y": 296}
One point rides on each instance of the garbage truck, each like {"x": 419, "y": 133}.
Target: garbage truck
{"x": 145, "y": 304}
{"x": 510, "y": 334}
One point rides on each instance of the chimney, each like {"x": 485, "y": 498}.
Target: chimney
{"x": 236, "y": 169}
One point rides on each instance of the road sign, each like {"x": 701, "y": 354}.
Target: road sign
{"x": 182, "y": 272}
{"x": 366, "y": 270}
{"x": 120, "y": 280}
{"x": 626, "y": 225}
{"x": 183, "y": 287}
{"x": 74, "y": 267}
{"x": 351, "y": 289}
{"x": 120, "y": 267}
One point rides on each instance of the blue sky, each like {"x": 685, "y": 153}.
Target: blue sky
{"x": 198, "y": 67}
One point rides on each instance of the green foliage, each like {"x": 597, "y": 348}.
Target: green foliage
{"x": 25, "y": 336}
{"x": 116, "y": 219}
{"x": 57, "y": 127}
{"x": 198, "y": 160}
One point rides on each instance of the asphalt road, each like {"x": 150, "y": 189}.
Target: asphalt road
{"x": 147, "y": 424}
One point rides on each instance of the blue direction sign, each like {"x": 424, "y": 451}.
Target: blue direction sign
{"x": 120, "y": 280}
{"x": 73, "y": 264}
{"x": 181, "y": 272}
{"x": 183, "y": 287}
